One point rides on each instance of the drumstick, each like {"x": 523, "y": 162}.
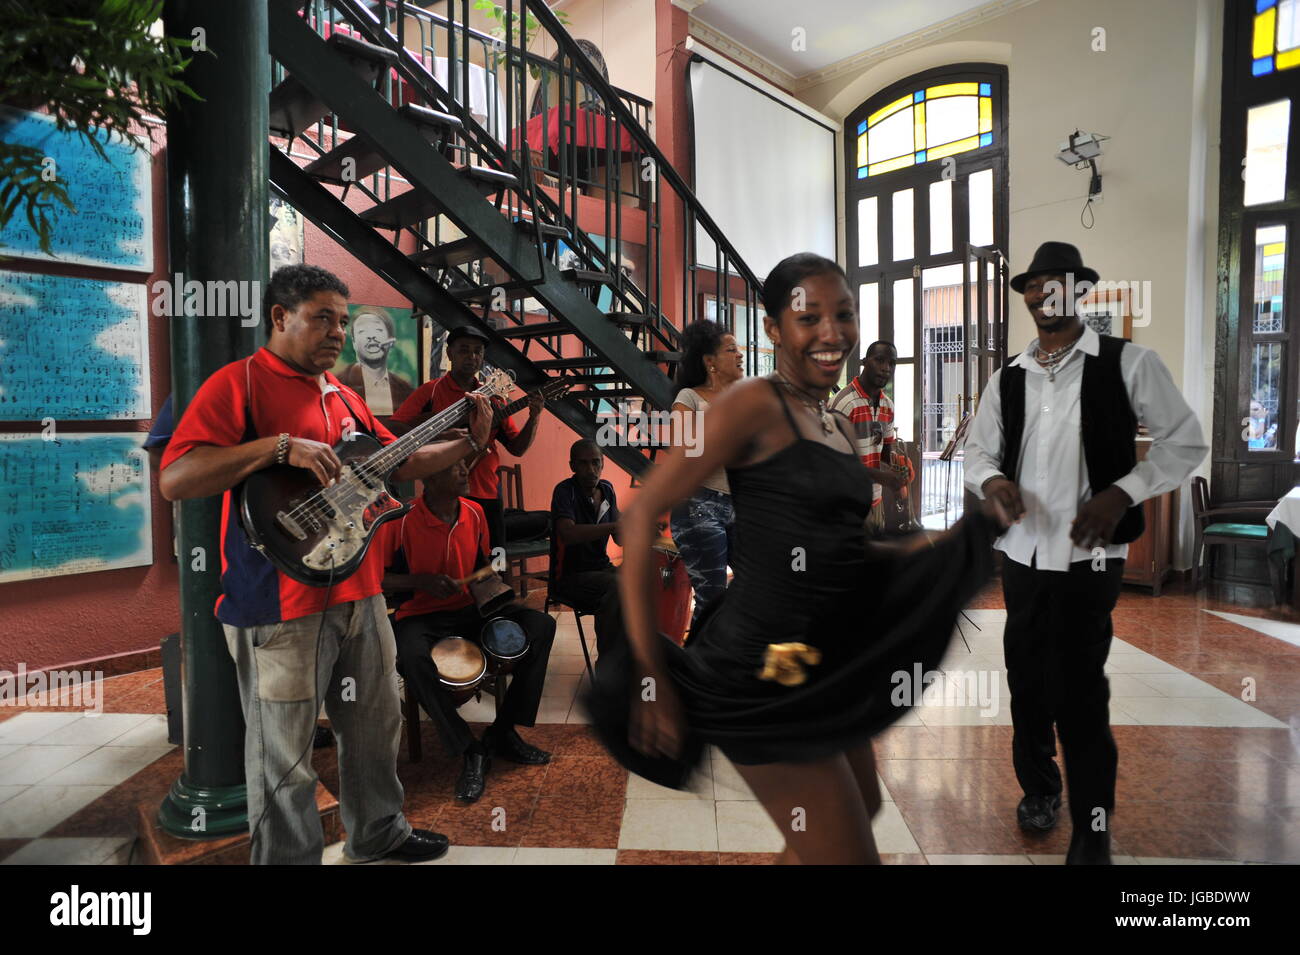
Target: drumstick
{"x": 483, "y": 573}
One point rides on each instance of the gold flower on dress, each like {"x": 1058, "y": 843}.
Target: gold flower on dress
{"x": 784, "y": 662}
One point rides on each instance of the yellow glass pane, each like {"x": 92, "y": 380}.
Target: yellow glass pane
{"x": 953, "y": 89}
{"x": 986, "y": 114}
{"x": 1274, "y": 248}
{"x": 889, "y": 110}
{"x": 862, "y": 149}
{"x": 890, "y": 165}
{"x": 919, "y": 114}
{"x": 1265, "y": 25}
{"x": 960, "y": 146}
{"x": 1288, "y": 59}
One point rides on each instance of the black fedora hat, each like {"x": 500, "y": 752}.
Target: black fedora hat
{"x": 1058, "y": 258}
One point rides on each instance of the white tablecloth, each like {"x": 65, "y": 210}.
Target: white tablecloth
{"x": 1287, "y": 512}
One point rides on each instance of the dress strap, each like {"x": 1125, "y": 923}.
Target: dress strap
{"x": 786, "y": 408}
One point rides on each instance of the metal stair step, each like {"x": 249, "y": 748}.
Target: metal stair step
{"x": 605, "y": 394}
{"x": 367, "y": 158}
{"x": 548, "y": 228}
{"x": 627, "y": 319}
{"x": 587, "y": 277}
{"x": 538, "y": 330}
{"x": 483, "y": 294}
{"x": 596, "y": 379}
{"x": 294, "y": 107}
{"x": 415, "y": 205}
{"x": 585, "y": 361}
{"x": 450, "y": 254}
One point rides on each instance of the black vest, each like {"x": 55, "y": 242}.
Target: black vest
{"x": 1106, "y": 422}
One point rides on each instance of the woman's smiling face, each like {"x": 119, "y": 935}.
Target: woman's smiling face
{"x": 815, "y": 331}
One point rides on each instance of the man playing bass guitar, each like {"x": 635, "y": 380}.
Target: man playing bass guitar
{"x": 294, "y": 644}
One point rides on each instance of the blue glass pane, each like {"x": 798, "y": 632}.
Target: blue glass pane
{"x": 1262, "y": 5}
{"x": 986, "y": 89}
{"x": 986, "y": 138}
{"x": 1260, "y": 67}
{"x": 920, "y": 157}
{"x": 918, "y": 96}
{"x": 862, "y": 172}
{"x": 862, "y": 127}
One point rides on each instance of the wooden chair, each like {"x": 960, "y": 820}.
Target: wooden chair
{"x": 1234, "y": 523}
{"x": 518, "y": 553}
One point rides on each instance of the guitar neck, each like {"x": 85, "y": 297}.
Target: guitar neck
{"x": 391, "y": 455}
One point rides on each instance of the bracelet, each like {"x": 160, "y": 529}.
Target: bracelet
{"x": 282, "y": 448}
{"x": 474, "y": 446}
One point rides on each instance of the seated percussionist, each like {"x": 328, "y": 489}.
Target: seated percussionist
{"x": 441, "y": 540}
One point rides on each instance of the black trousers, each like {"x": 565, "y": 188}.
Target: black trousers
{"x": 587, "y": 590}
{"x": 495, "y": 513}
{"x": 416, "y": 637}
{"x": 1056, "y": 641}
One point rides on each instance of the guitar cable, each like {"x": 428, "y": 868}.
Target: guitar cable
{"x": 311, "y": 738}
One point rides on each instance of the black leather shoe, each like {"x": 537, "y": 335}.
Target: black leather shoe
{"x": 510, "y": 745}
{"x": 1089, "y": 848}
{"x": 1038, "y": 813}
{"x": 473, "y": 777}
{"x": 421, "y": 846}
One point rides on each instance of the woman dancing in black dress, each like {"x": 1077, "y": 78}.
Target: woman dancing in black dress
{"x": 794, "y": 668}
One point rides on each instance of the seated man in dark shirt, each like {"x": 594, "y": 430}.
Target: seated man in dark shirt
{"x": 584, "y": 515}
{"x": 439, "y": 542}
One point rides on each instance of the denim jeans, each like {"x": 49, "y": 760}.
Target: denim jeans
{"x": 357, "y": 678}
{"x": 702, "y": 527}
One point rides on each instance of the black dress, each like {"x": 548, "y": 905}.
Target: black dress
{"x": 802, "y": 575}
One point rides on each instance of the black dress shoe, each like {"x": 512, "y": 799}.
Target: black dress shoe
{"x": 1038, "y": 813}
{"x": 473, "y": 777}
{"x": 421, "y": 846}
{"x": 509, "y": 745}
{"x": 1089, "y": 848}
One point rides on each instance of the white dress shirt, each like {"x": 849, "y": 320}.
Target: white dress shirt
{"x": 1053, "y": 474}
{"x": 379, "y": 394}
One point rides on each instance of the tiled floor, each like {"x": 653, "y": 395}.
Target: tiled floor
{"x": 1205, "y": 704}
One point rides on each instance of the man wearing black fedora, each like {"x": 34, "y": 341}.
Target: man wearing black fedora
{"x": 1053, "y": 440}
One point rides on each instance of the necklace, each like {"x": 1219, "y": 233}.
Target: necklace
{"x": 817, "y": 405}
{"x": 1053, "y": 359}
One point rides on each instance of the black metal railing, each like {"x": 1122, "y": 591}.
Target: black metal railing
{"x": 584, "y": 144}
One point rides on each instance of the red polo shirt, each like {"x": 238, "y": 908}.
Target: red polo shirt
{"x": 432, "y": 397}
{"x": 432, "y": 546}
{"x": 258, "y": 397}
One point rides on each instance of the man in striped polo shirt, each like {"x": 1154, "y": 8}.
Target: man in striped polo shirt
{"x": 864, "y": 402}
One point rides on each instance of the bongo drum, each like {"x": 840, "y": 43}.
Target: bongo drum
{"x": 461, "y": 667}
{"x": 504, "y": 642}
{"x": 673, "y": 598}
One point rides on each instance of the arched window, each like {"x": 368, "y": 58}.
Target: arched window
{"x": 926, "y": 226}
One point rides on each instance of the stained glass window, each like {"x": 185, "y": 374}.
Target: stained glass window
{"x": 925, "y": 125}
{"x": 1276, "y": 41}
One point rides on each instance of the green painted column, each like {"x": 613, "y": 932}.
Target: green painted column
{"x": 217, "y": 199}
